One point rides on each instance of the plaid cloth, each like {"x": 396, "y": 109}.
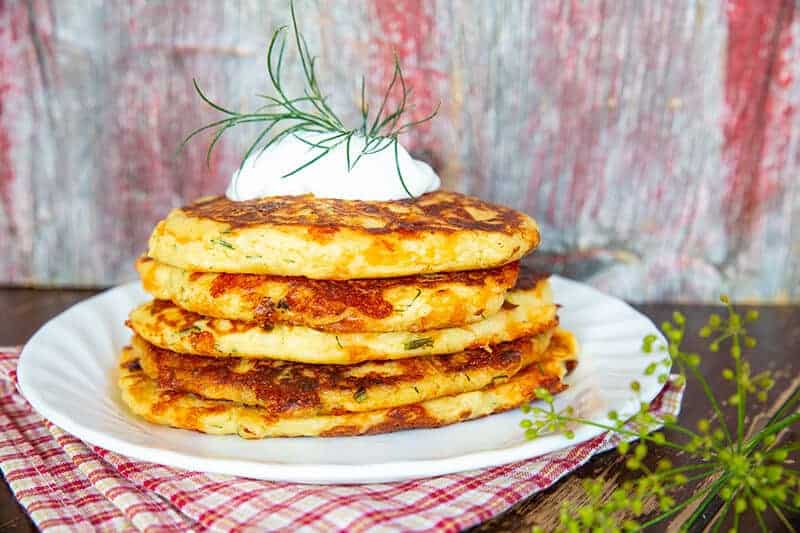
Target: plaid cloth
{"x": 66, "y": 484}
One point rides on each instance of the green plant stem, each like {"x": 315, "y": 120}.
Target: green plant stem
{"x": 759, "y": 517}
{"x": 713, "y": 400}
{"x": 708, "y": 468}
{"x": 622, "y": 431}
{"x": 781, "y": 517}
{"x": 686, "y": 468}
{"x": 787, "y": 405}
{"x": 794, "y": 446}
{"x": 667, "y": 514}
{"x": 741, "y": 394}
{"x": 681, "y": 429}
{"x": 723, "y": 336}
{"x": 785, "y": 506}
{"x": 400, "y": 174}
{"x": 702, "y": 475}
{"x": 770, "y": 430}
{"x": 711, "y": 493}
{"x": 721, "y": 516}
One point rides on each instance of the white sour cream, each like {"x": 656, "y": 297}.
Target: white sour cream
{"x": 374, "y": 177}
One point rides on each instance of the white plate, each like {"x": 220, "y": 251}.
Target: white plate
{"x": 67, "y": 371}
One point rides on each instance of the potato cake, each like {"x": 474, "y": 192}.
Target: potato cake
{"x": 527, "y": 310}
{"x": 146, "y": 398}
{"x": 411, "y": 303}
{"x": 325, "y": 238}
{"x": 300, "y": 389}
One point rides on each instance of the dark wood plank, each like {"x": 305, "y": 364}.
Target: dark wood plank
{"x": 778, "y": 331}
{"x": 25, "y": 310}
{"x": 13, "y": 518}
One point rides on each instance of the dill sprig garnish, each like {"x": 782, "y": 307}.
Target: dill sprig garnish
{"x": 746, "y": 470}
{"x": 282, "y": 115}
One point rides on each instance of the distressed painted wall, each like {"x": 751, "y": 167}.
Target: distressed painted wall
{"x": 657, "y": 143}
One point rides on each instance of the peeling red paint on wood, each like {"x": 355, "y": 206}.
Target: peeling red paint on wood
{"x": 12, "y": 17}
{"x": 155, "y": 108}
{"x": 406, "y": 28}
{"x": 655, "y": 141}
{"x": 759, "y": 120}
{"x": 572, "y": 69}
{"x": 7, "y": 75}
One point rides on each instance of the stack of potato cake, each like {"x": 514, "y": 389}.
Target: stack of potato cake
{"x": 303, "y": 316}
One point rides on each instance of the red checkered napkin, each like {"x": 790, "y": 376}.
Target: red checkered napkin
{"x": 65, "y": 483}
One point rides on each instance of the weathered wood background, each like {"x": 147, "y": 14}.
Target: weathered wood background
{"x": 657, "y": 143}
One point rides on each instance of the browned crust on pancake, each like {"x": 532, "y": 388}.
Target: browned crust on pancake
{"x": 184, "y": 322}
{"x": 331, "y": 297}
{"x": 204, "y": 342}
{"x": 416, "y": 416}
{"x": 323, "y": 238}
{"x": 437, "y": 211}
{"x": 299, "y": 389}
{"x": 528, "y": 278}
{"x": 313, "y": 303}
{"x": 189, "y": 411}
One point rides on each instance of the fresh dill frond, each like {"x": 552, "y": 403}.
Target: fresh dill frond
{"x": 283, "y": 116}
{"x": 747, "y": 466}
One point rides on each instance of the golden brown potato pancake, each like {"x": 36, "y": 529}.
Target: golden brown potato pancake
{"x": 411, "y": 303}
{"x": 324, "y": 238}
{"x": 527, "y": 310}
{"x": 146, "y": 398}
{"x": 299, "y": 389}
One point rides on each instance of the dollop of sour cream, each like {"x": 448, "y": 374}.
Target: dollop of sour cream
{"x": 374, "y": 177}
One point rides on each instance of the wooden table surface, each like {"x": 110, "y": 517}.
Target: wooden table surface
{"x": 778, "y": 332}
